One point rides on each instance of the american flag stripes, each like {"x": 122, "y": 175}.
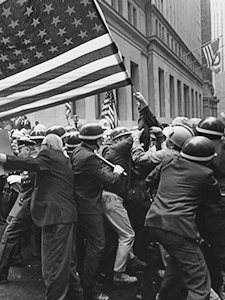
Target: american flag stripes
{"x": 109, "y": 110}
{"x": 52, "y": 52}
{"x": 211, "y": 53}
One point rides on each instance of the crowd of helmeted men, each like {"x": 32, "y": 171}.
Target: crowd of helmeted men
{"x": 96, "y": 200}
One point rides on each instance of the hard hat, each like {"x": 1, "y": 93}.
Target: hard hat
{"x": 198, "y": 148}
{"x": 120, "y": 131}
{"x": 179, "y": 135}
{"x": 211, "y": 126}
{"x": 91, "y": 131}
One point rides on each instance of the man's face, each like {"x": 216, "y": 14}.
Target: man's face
{"x": 24, "y": 151}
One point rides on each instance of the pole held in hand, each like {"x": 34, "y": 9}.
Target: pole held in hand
{"x": 107, "y": 162}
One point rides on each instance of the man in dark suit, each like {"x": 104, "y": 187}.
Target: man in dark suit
{"x": 54, "y": 210}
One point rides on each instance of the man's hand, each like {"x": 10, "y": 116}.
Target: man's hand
{"x": 156, "y": 130}
{"x": 136, "y": 134}
{"x": 14, "y": 179}
{"x": 140, "y": 99}
{"x": 118, "y": 169}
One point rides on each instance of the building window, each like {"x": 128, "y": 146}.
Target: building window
{"x": 129, "y": 11}
{"x": 168, "y": 39}
{"x": 196, "y": 104}
{"x": 160, "y": 31}
{"x": 134, "y": 70}
{"x": 172, "y": 100}
{"x": 132, "y": 13}
{"x": 186, "y": 101}
{"x": 98, "y": 104}
{"x": 162, "y": 7}
{"x": 172, "y": 44}
{"x": 134, "y": 17}
{"x": 79, "y": 108}
{"x": 193, "y": 110}
{"x": 179, "y": 98}
{"x": 162, "y": 112}
{"x": 117, "y": 4}
{"x": 121, "y": 104}
{"x": 163, "y": 34}
{"x": 156, "y": 27}
{"x": 200, "y": 105}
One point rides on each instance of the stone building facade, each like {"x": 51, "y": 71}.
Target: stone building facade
{"x": 156, "y": 39}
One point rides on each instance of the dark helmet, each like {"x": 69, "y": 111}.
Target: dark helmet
{"x": 72, "y": 140}
{"x": 198, "y": 148}
{"x": 56, "y": 129}
{"x": 91, "y": 131}
{"x": 119, "y": 131}
{"x": 211, "y": 126}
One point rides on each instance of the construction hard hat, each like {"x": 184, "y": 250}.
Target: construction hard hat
{"x": 91, "y": 131}
{"x": 198, "y": 148}
{"x": 120, "y": 131}
{"x": 211, "y": 126}
{"x": 179, "y": 135}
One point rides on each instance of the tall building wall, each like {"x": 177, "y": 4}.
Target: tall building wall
{"x": 218, "y": 31}
{"x": 185, "y": 19}
{"x": 218, "y": 26}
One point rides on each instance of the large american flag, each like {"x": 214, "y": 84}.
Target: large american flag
{"x": 211, "y": 53}
{"x": 109, "y": 110}
{"x": 52, "y": 52}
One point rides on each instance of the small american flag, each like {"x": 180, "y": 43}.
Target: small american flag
{"x": 109, "y": 110}
{"x": 54, "y": 51}
{"x": 68, "y": 110}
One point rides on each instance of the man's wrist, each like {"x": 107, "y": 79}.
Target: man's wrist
{"x": 137, "y": 139}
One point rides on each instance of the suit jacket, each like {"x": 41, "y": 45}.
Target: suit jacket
{"x": 181, "y": 187}
{"x": 54, "y": 202}
{"x": 91, "y": 177}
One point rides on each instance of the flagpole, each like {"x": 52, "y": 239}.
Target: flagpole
{"x": 198, "y": 59}
{"x": 200, "y": 47}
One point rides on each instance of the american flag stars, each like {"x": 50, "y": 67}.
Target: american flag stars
{"x": 52, "y": 51}
{"x": 40, "y": 30}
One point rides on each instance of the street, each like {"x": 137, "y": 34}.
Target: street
{"x": 25, "y": 283}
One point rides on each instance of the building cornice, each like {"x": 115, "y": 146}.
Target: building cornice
{"x": 120, "y": 25}
{"x": 173, "y": 33}
{"x": 155, "y": 42}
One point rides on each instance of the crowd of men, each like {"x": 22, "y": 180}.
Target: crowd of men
{"x": 97, "y": 198}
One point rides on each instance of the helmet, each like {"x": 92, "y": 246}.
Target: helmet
{"x": 120, "y": 131}
{"x": 56, "y": 129}
{"x": 25, "y": 141}
{"x": 71, "y": 140}
{"x": 211, "y": 126}
{"x": 181, "y": 121}
{"x": 221, "y": 116}
{"x": 198, "y": 148}
{"x": 179, "y": 135}
{"x": 91, "y": 131}
{"x": 38, "y": 133}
